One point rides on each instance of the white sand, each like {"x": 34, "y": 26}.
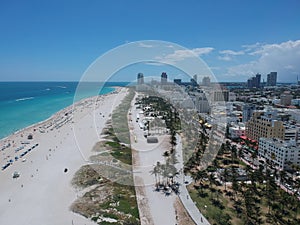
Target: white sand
{"x": 47, "y": 193}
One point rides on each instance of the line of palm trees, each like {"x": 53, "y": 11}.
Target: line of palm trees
{"x": 165, "y": 172}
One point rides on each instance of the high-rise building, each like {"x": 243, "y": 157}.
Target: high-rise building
{"x": 254, "y": 82}
{"x": 140, "y": 78}
{"x": 200, "y": 101}
{"x": 195, "y": 77}
{"x": 177, "y": 81}
{"x": 221, "y": 95}
{"x": 248, "y": 110}
{"x": 272, "y": 79}
{"x": 164, "y": 78}
{"x": 258, "y": 78}
{"x": 206, "y": 81}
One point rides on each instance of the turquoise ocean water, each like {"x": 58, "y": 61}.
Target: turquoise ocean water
{"x": 25, "y": 103}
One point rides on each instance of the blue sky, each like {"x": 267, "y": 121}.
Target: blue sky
{"x": 58, "y": 40}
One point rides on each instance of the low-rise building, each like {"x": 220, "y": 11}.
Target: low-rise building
{"x": 286, "y": 98}
{"x": 295, "y": 102}
{"x": 237, "y": 130}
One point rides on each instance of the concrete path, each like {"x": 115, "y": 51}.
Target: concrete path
{"x": 155, "y": 207}
{"x": 184, "y": 196}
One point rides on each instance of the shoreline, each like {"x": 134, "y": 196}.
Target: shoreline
{"x": 54, "y": 114}
{"x": 43, "y": 193}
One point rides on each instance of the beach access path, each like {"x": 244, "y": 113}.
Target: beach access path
{"x": 156, "y": 207}
{"x": 43, "y": 194}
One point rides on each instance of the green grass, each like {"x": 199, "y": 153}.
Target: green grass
{"x": 119, "y": 119}
{"x": 212, "y": 213}
{"x": 117, "y": 133}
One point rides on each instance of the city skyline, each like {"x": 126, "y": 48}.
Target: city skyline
{"x": 58, "y": 41}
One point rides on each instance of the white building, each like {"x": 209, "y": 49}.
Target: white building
{"x": 237, "y": 130}
{"x": 279, "y": 152}
{"x": 291, "y": 133}
{"x": 200, "y": 101}
{"x": 296, "y": 102}
{"x": 295, "y": 114}
{"x": 232, "y": 97}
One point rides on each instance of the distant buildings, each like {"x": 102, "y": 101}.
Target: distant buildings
{"x": 248, "y": 110}
{"x": 192, "y": 82}
{"x": 164, "y": 78}
{"x": 286, "y": 98}
{"x": 140, "y": 78}
{"x": 254, "y": 82}
{"x": 272, "y": 79}
{"x": 177, "y": 81}
{"x": 221, "y": 95}
{"x": 280, "y": 153}
{"x": 206, "y": 81}
{"x": 296, "y": 102}
{"x": 195, "y": 77}
{"x": 200, "y": 101}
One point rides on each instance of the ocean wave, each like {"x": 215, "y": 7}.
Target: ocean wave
{"x": 24, "y": 99}
{"x": 61, "y": 86}
{"x": 47, "y": 89}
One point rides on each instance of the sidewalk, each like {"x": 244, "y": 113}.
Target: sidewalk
{"x": 184, "y": 196}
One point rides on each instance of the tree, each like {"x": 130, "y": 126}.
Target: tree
{"x": 211, "y": 179}
{"x": 282, "y": 176}
{"x": 233, "y": 153}
{"x": 157, "y": 171}
{"x": 235, "y": 185}
{"x": 225, "y": 177}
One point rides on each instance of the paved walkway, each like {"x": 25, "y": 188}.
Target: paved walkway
{"x": 184, "y": 196}
{"x": 155, "y": 207}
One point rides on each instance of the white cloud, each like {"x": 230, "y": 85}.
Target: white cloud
{"x": 228, "y": 55}
{"x": 252, "y": 47}
{"x": 225, "y": 58}
{"x": 283, "y": 58}
{"x": 179, "y": 55}
{"x": 231, "y": 52}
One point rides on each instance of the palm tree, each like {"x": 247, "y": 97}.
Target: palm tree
{"x": 233, "y": 152}
{"x": 211, "y": 179}
{"x": 225, "y": 176}
{"x": 253, "y": 156}
{"x": 201, "y": 175}
{"x": 235, "y": 185}
{"x": 157, "y": 171}
{"x": 240, "y": 153}
{"x": 282, "y": 176}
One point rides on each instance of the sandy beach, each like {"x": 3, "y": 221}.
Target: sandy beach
{"x": 42, "y": 194}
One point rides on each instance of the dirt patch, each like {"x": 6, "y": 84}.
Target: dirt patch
{"x": 182, "y": 216}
